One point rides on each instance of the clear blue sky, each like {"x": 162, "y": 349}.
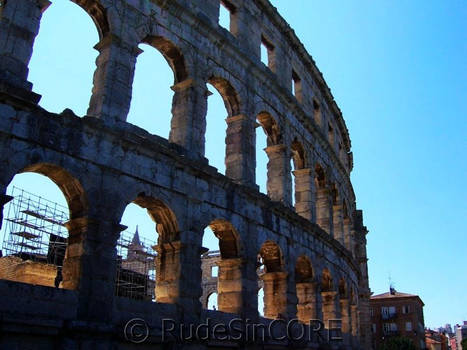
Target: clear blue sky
{"x": 398, "y": 71}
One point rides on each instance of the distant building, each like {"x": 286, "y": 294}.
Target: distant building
{"x": 436, "y": 340}
{"x": 453, "y": 343}
{"x": 397, "y": 314}
{"x": 461, "y": 334}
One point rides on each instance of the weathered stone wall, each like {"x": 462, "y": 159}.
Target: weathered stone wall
{"x": 102, "y": 163}
{"x": 19, "y": 270}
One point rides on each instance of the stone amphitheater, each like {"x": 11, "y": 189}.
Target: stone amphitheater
{"x": 309, "y": 257}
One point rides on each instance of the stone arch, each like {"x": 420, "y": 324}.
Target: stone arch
{"x": 270, "y": 127}
{"x": 68, "y": 274}
{"x": 327, "y": 284}
{"x": 165, "y": 218}
{"x": 306, "y": 289}
{"x": 271, "y": 256}
{"x": 167, "y": 261}
{"x": 298, "y": 155}
{"x": 342, "y": 288}
{"x": 68, "y": 184}
{"x": 173, "y": 55}
{"x": 337, "y": 214}
{"x": 229, "y": 278}
{"x": 229, "y": 239}
{"x": 229, "y": 94}
{"x": 323, "y": 201}
{"x": 274, "y": 280}
{"x": 303, "y": 270}
{"x": 98, "y": 14}
{"x": 329, "y": 297}
{"x": 300, "y": 179}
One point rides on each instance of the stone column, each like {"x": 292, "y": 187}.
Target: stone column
{"x": 240, "y": 150}
{"x": 329, "y": 307}
{"x": 306, "y": 307}
{"x": 19, "y": 25}
{"x": 324, "y": 210}
{"x": 275, "y": 294}
{"x": 346, "y": 320}
{"x": 338, "y": 222}
{"x": 229, "y": 286}
{"x": 348, "y": 234}
{"x": 305, "y": 194}
{"x": 113, "y": 79}
{"x": 167, "y": 272}
{"x": 188, "y": 125}
{"x": 90, "y": 265}
{"x": 279, "y": 180}
{"x": 354, "y": 324}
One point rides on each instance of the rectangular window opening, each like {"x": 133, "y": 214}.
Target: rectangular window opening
{"x": 214, "y": 271}
{"x": 296, "y": 86}
{"x": 226, "y": 16}
{"x": 267, "y": 53}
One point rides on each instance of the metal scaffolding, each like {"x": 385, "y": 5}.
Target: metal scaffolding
{"x": 34, "y": 230}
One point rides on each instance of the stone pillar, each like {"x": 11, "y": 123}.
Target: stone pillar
{"x": 279, "y": 180}
{"x": 19, "y": 25}
{"x": 305, "y": 195}
{"x": 338, "y": 222}
{"x": 324, "y": 210}
{"x": 113, "y": 79}
{"x": 188, "y": 125}
{"x": 4, "y": 199}
{"x": 329, "y": 307}
{"x": 240, "y": 150}
{"x": 229, "y": 286}
{"x": 275, "y": 294}
{"x": 348, "y": 234}
{"x": 306, "y": 307}
{"x": 90, "y": 265}
{"x": 354, "y": 324}
{"x": 346, "y": 320}
{"x": 167, "y": 272}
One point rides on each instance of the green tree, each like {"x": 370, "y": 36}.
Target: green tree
{"x": 464, "y": 343}
{"x": 397, "y": 343}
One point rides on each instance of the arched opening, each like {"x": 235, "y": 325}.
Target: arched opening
{"x": 63, "y": 62}
{"x": 266, "y": 139}
{"x": 212, "y": 302}
{"x": 345, "y": 310}
{"x": 337, "y": 215}
{"x": 298, "y": 162}
{"x": 147, "y": 258}
{"x": 223, "y": 98}
{"x": 326, "y": 281}
{"x": 274, "y": 280}
{"x": 261, "y": 302}
{"x": 328, "y": 297}
{"x": 221, "y": 266}
{"x": 306, "y": 290}
{"x": 159, "y": 66}
{"x": 43, "y": 201}
{"x": 342, "y": 288}
{"x": 317, "y": 114}
{"x": 323, "y": 205}
{"x": 347, "y": 228}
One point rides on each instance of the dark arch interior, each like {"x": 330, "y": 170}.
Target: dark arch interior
{"x": 326, "y": 281}
{"x": 303, "y": 270}
{"x": 270, "y": 127}
{"x": 271, "y": 256}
